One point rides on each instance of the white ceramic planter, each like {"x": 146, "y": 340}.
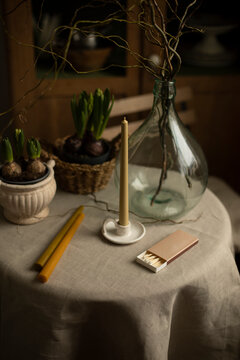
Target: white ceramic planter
{"x": 28, "y": 204}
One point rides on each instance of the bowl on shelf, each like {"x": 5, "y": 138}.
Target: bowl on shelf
{"x": 89, "y": 59}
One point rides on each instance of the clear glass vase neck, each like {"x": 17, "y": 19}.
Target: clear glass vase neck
{"x": 164, "y": 90}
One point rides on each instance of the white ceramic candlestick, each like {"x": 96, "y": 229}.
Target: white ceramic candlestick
{"x": 122, "y": 231}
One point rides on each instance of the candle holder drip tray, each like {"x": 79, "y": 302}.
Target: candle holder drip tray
{"x": 121, "y": 234}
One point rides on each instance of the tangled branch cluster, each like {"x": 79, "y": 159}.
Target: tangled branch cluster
{"x": 153, "y": 18}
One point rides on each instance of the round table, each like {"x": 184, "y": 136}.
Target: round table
{"x": 99, "y": 303}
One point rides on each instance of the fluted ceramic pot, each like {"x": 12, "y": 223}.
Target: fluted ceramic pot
{"x": 28, "y": 203}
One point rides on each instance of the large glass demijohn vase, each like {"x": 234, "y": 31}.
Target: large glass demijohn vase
{"x": 167, "y": 168}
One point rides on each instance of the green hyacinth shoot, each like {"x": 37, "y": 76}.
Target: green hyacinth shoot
{"x": 102, "y": 107}
{"x": 81, "y": 107}
{"x": 6, "y": 150}
{"x": 33, "y": 149}
{"x": 91, "y": 112}
{"x": 19, "y": 142}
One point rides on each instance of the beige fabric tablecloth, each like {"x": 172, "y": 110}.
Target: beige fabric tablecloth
{"x": 100, "y": 304}
{"x": 231, "y": 200}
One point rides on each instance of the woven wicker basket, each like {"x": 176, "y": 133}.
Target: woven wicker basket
{"x": 80, "y": 178}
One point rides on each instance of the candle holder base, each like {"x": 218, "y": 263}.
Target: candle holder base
{"x": 123, "y": 235}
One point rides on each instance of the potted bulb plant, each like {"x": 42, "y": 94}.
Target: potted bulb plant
{"x": 90, "y": 113}
{"x": 85, "y": 160}
{"x": 27, "y": 185}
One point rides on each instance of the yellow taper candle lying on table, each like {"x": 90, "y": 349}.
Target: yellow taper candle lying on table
{"x": 123, "y": 201}
{"x": 50, "y": 249}
{"x": 46, "y": 271}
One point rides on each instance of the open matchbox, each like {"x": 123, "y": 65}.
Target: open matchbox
{"x": 166, "y": 250}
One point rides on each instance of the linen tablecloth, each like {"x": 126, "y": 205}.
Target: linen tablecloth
{"x": 100, "y": 304}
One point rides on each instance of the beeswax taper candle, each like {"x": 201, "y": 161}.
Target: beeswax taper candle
{"x": 50, "y": 249}
{"x": 123, "y": 198}
{"x": 46, "y": 271}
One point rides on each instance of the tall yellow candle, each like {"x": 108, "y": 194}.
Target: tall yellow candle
{"x": 123, "y": 197}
